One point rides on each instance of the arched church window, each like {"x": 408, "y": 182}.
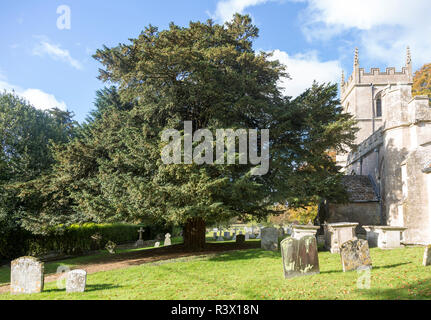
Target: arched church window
{"x": 378, "y": 106}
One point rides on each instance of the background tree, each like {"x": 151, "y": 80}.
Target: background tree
{"x": 422, "y": 81}
{"x": 26, "y": 137}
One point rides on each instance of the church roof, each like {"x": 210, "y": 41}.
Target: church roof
{"x": 359, "y": 188}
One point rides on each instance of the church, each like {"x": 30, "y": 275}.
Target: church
{"x": 388, "y": 175}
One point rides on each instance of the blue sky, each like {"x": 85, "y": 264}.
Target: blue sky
{"x": 51, "y": 67}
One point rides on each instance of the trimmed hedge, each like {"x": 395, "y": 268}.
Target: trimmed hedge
{"x": 73, "y": 240}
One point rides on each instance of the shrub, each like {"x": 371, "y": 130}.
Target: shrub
{"x": 75, "y": 239}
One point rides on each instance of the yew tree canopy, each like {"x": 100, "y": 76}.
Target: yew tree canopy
{"x": 209, "y": 74}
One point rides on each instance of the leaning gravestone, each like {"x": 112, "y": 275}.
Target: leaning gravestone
{"x": 299, "y": 256}
{"x": 427, "y": 256}
{"x": 167, "y": 240}
{"x": 157, "y": 244}
{"x": 240, "y": 238}
{"x": 26, "y": 275}
{"x": 76, "y": 280}
{"x": 355, "y": 254}
{"x": 269, "y": 239}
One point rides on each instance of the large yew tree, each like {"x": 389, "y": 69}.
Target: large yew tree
{"x": 208, "y": 74}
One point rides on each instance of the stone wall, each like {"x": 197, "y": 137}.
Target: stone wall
{"x": 365, "y": 213}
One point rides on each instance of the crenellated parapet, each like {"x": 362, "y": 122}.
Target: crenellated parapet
{"x": 375, "y": 76}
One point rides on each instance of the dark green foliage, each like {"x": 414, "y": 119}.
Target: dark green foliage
{"x": 27, "y": 136}
{"x": 75, "y": 239}
{"x": 209, "y": 74}
{"x": 206, "y": 73}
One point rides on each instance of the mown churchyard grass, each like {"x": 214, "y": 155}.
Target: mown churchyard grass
{"x": 51, "y": 267}
{"x": 255, "y": 274}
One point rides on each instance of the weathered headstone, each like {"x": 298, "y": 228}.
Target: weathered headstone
{"x": 167, "y": 240}
{"x": 240, "y": 238}
{"x": 300, "y": 231}
{"x": 355, "y": 254}
{"x": 226, "y": 234}
{"x": 427, "y": 256}
{"x": 338, "y": 233}
{"x": 76, "y": 280}
{"x": 26, "y": 275}
{"x": 384, "y": 237}
{"x": 214, "y": 235}
{"x": 299, "y": 256}
{"x": 269, "y": 239}
{"x": 157, "y": 244}
{"x": 247, "y": 236}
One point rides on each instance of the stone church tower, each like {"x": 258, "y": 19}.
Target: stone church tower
{"x": 394, "y": 147}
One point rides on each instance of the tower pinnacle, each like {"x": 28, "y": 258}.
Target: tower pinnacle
{"x": 409, "y": 56}
{"x": 356, "y": 61}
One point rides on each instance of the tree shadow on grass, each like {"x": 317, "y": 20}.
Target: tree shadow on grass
{"x": 88, "y": 288}
{"x": 418, "y": 290}
{"x": 390, "y": 266}
{"x": 245, "y": 255}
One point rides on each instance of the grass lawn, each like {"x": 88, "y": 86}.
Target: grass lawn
{"x": 255, "y": 274}
{"x": 51, "y": 267}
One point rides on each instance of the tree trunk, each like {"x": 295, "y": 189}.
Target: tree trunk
{"x": 194, "y": 234}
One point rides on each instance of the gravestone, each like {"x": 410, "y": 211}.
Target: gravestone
{"x": 157, "y": 244}
{"x": 247, "y": 236}
{"x": 300, "y": 231}
{"x": 355, "y": 255}
{"x": 384, "y": 237}
{"x": 167, "y": 240}
{"x": 140, "y": 241}
{"x": 269, "y": 239}
{"x": 338, "y": 233}
{"x": 76, "y": 280}
{"x": 26, "y": 275}
{"x": 214, "y": 235}
{"x": 240, "y": 239}
{"x": 427, "y": 256}
{"x": 299, "y": 256}
{"x": 226, "y": 234}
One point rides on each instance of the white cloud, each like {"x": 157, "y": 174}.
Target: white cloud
{"x": 38, "y": 98}
{"x": 227, "y": 8}
{"x": 44, "y": 47}
{"x": 303, "y": 69}
{"x": 383, "y": 27}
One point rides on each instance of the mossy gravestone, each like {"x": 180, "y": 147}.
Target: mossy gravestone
{"x": 76, "y": 281}
{"x": 355, "y": 255}
{"x": 26, "y": 275}
{"x": 269, "y": 239}
{"x": 299, "y": 256}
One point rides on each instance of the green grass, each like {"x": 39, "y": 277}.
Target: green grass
{"x": 255, "y": 274}
{"x": 51, "y": 267}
